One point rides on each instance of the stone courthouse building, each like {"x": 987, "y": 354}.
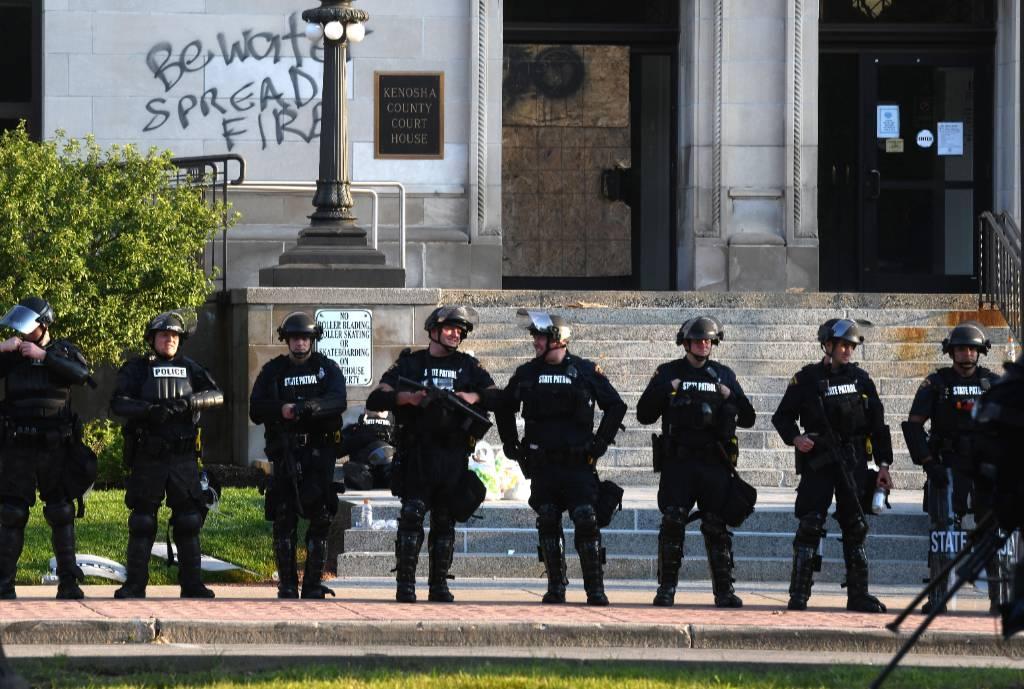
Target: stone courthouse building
{"x": 661, "y": 144}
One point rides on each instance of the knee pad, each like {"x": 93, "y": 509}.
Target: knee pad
{"x": 673, "y": 522}
{"x": 13, "y": 516}
{"x": 584, "y": 517}
{"x": 410, "y": 518}
{"x": 713, "y": 527}
{"x": 549, "y": 520}
{"x": 187, "y": 523}
{"x": 59, "y": 513}
{"x": 810, "y": 530}
{"x": 142, "y": 524}
{"x": 854, "y": 531}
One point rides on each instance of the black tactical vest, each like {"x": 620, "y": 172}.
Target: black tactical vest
{"x": 845, "y": 405}
{"x": 555, "y": 394}
{"x": 165, "y": 380}
{"x": 297, "y": 382}
{"x": 956, "y": 402}
{"x": 34, "y": 392}
{"x": 695, "y": 407}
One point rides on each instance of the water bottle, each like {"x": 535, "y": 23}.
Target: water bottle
{"x": 365, "y": 515}
{"x": 879, "y": 500}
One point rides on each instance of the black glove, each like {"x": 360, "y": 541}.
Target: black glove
{"x": 177, "y": 406}
{"x": 306, "y": 409}
{"x": 937, "y": 475}
{"x": 596, "y": 448}
{"x": 513, "y": 451}
{"x": 158, "y": 413}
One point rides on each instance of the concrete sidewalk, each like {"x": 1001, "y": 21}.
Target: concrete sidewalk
{"x": 496, "y": 615}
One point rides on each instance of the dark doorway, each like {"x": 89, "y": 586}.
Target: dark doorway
{"x": 905, "y": 145}
{"x": 589, "y": 131}
{"x": 21, "y": 50}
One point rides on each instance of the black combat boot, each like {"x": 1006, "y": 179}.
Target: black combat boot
{"x": 69, "y": 575}
{"x": 805, "y": 558}
{"x": 721, "y": 565}
{"x": 591, "y": 560}
{"x": 670, "y": 558}
{"x": 407, "y": 553}
{"x": 12, "y": 540}
{"x": 189, "y": 567}
{"x": 316, "y": 561}
{"x": 287, "y": 571}
{"x": 857, "y": 597}
{"x": 441, "y": 547}
{"x": 551, "y": 550}
{"x": 137, "y": 565}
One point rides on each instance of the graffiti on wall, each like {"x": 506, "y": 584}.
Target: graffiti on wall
{"x": 257, "y": 85}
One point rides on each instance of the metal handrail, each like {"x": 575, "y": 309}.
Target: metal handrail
{"x": 212, "y": 173}
{"x": 367, "y": 188}
{"x": 999, "y": 272}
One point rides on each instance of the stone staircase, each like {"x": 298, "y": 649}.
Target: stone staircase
{"x": 768, "y": 338}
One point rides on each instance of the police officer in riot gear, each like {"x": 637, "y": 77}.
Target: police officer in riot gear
{"x": 557, "y": 392}
{"x": 37, "y": 439}
{"x": 700, "y": 403}
{"x": 434, "y": 444}
{"x": 161, "y": 396}
{"x": 843, "y": 419}
{"x": 300, "y": 398}
{"x": 949, "y": 454}
{"x": 1000, "y": 417}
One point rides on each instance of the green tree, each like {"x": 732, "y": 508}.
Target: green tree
{"x": 107, "y": 237}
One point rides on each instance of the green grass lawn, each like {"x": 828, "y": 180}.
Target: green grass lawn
{"x": 238, "y": 534}
{"x": 532, "y": 675}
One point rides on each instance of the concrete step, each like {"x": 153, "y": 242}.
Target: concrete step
{"x": 735, "y": 332}
{"x": 633, "y": 373}
{"x": 732, "y": 354}
{"x": 904, "y": 520}
{"x": 380, "y": 564}
{"x": 644, "y": 544}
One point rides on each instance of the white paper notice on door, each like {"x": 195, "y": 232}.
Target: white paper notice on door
{"x": 887, "y": 122}
{"x": 951, "y": 138}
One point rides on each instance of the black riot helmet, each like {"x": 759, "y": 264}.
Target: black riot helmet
{"x": 970, "y": 334}
{"x": 168, "y": 321}
{"x": 299, "y": 323}
{"x": 463, "y": 317}
{"x": 701, "y": 328}
{"x": 28, "y": 314}
{"x": 840, "y": 329}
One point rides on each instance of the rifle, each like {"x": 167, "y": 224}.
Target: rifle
{"x": 982, "y": 545}
{"x": 471, "y": 422}
{"x": 841, "y": 454}
{"x": 292, "y": 469}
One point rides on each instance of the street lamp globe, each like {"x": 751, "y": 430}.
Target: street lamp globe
{"x": 334, "y": 31}
{"x": 356, "y": 32}
{"x": 314, "y": 31}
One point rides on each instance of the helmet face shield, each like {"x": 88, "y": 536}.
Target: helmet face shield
{"x": 841, "y": 329}
{"x": 22, "y": 319}
{"x": 701, "y": 328}
{"x": 543, "y": 323}
{"x": 169, "y": 321}
{"x": 967, "y": 334}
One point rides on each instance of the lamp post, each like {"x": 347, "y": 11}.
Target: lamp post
{"x": 339, "y": 24}
{"x": 332, "y": 250}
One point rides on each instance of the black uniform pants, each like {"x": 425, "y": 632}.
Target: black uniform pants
{"x": 566, "y": 486}
{"x": 310, "y": 491}
{"x": 429, "y": 475}
{"x": 817, "y": 486}
{"x": 699, "y": 478}
{"x": 24, "y": 467}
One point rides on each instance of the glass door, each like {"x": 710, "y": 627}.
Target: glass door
{"x": 926, "y": 158}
